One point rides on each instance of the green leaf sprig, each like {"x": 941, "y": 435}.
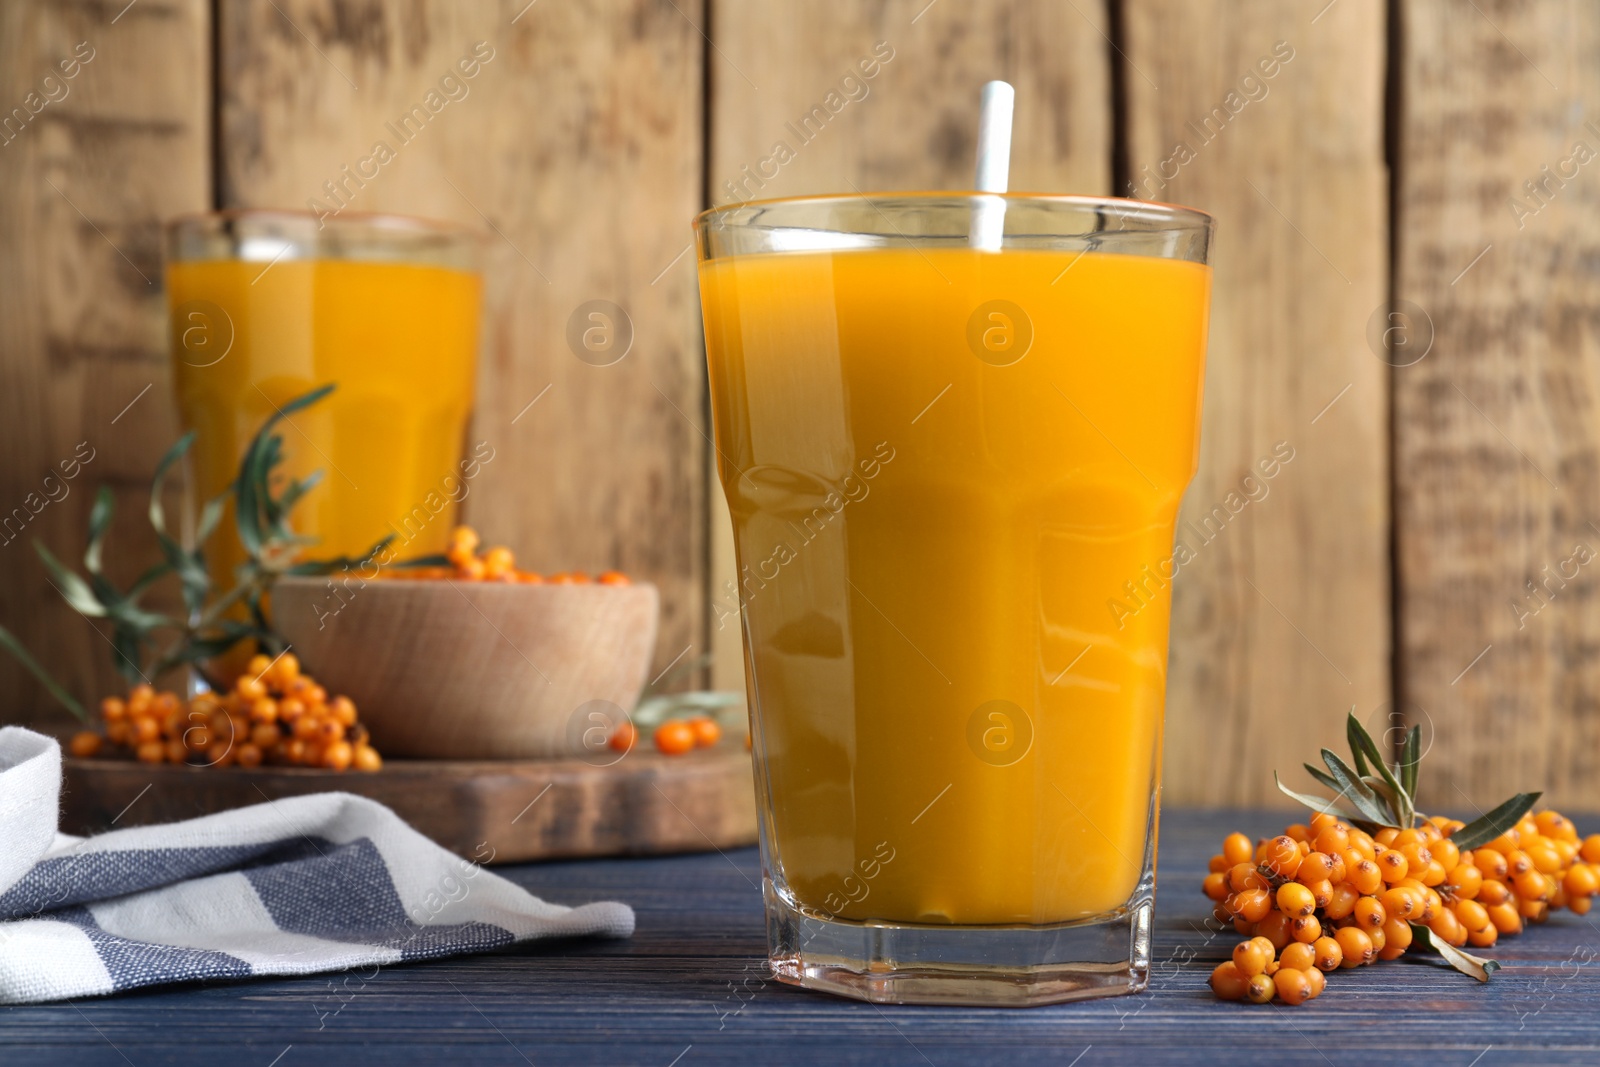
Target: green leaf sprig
{"x": 146, "y": 643}
{"x": 1371, "y": 794}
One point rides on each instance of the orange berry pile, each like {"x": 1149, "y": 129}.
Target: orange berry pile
{"x": 273, "y": 714}
{"x": 673, "y": 737}
{"x": 1327, "y": 896}
{"x": 497, "y": 564}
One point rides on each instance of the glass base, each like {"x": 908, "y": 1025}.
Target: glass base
{"x": 975, "y": 966}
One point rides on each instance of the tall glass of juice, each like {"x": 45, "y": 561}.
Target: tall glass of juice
{"x": 954, "y": 471}
{"x": 267, "y": 305}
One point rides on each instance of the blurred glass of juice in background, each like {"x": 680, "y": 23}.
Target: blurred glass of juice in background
{"x": 265, "y": 306}
{"x": 944, "y": 464}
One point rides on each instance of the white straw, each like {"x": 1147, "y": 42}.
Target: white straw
{"x": 994, "y": 165}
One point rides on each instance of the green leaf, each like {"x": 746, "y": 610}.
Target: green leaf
{"x": 1362, "y": 741}
{"x": 129, "y": 648}
{"x": 1478, "y": 967}
{"x": 148, "y": 578}
{"x": 73, "y": 588}
{"x": 1354, "y": 733}
{"x": 1314, "y": 803}
{"x": 158, "y": 517}
{"x": 1349, "y": 784}
{"x": 1410, "y": 757}
{"x": 99, "y": 523}
{"x": 210, "y": 516}
{"x": 440, "y": 560}
{"x": 1482, "y": 831}
{"x": 54, "y": 688}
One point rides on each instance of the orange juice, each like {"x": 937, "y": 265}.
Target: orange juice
{"x": 954, "y": 477}
{"x": 400, "y": 340}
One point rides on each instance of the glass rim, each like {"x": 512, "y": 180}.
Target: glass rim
{"x": 1181, "y": 216}
{"x": 381, "y": 220}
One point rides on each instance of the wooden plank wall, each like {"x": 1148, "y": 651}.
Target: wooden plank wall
{"x": 90, "y": 165}
{"x": 1497, "y": 428}
{"x": 598, "y": 129}
{"x": 577, "y": 146}
{"x": 1272, "y": 118}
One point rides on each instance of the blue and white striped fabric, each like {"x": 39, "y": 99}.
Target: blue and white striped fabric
{"x": 293, "y": 886}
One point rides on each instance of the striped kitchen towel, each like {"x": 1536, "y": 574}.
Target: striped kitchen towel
{"x": 293, "y": 886}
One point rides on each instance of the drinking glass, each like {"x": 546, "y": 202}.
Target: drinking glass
{"x": 954, "y": 472}
{"x": 267, "y": 305}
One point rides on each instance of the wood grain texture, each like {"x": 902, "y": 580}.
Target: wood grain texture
{"x": 89, "y": 166}
{"x": 576, "y": 148}
{"x": 1281, "y": 624}
{"x": 694, "y": 974}
{"x": 1497, "y": 430}
{"x": 911, "y": 125}
{"x": 512, "y": 810}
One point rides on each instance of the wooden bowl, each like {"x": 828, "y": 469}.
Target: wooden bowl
{"x": 475, "y": 670}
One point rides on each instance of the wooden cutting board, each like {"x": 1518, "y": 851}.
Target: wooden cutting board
{"x": 489, "y": 811}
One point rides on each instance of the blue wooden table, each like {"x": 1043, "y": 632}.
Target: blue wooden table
{"x": 691, "y": 989}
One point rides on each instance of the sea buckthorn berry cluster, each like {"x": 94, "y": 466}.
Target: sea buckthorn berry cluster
{"x": 465, "y": 563}
{"x": 274, "y": 713}
{"x": 1326, "y": 896}
{"x": 677, "y": 736}
{"x": 1261, "y": 969}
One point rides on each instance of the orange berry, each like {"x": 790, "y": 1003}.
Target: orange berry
{"x": 1355, "y": 945}
{"x": 1331, "y": 839}
{"x": 265, "y": 735}
{"x": 1591, "y": 849}
{"x": 1274, "y": 929}
{"x": 112, "y": 709}
{"x": 145, "y": 729}
{"x": 176, "y": 751}
{"x": 248, "y": 755}
{"x": 1491, "y": 863}
{"x": 1580, "y": 905}
{"x": 1484, "y": 938}
{"x": 1491, "y": 893}
{"x": 264, "y": 709}
{"x": 706, "y": 731}
{"x": 1472, "y": 915}
{"x": 1341, "y": 901}
{"x": 1281, "y": 857}
{"x": 1465, "y": 881}
{"x": 1295, "y": 900}
{"x": 307, "y": 726}
{"x": 1227, "y": 983}
{"x": 1530, "y": 885}
{"x": 1298, "y": 957}
{"x": 140, "y": 696}
{"x": 1242, "y": 876}
{"x": 498, "y": 562}
{"x": 466, "y": 537}
{"x": 250, "y": 687}
{"x": 1397, "y": 933}
{"x": 1315, "y": 867}
{"x": 1580, "y": 881}
{"x": 366, "y": 758}
{"x": 1293, "y": 987}
{"x": 84, "y": 744}
{"x": 329, "y": 731}
{"x": 1306, "y": 929}
{"x": 1370, "y": 914}
{"x": 674, "y": 737}
{"x": 151, "y": 752}
{"x": 1402, "y": 902}
{"x": 1392, "y": 865}
{"x": 1260, "y": 989}
{"x": 1318, "y": 982}
{"x": 1365, "y": 876}
{"x": 1328, "y": 954}
{"x": 1219, "y": 862}
{"x": 626, "y": 735}
{"x": 1250, "y": 958}
{"x": 612, "y": 578}
{"x": 338, "y": 755}
{"x": 1252, "y": 905}
{"x": 343, "y": 710}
